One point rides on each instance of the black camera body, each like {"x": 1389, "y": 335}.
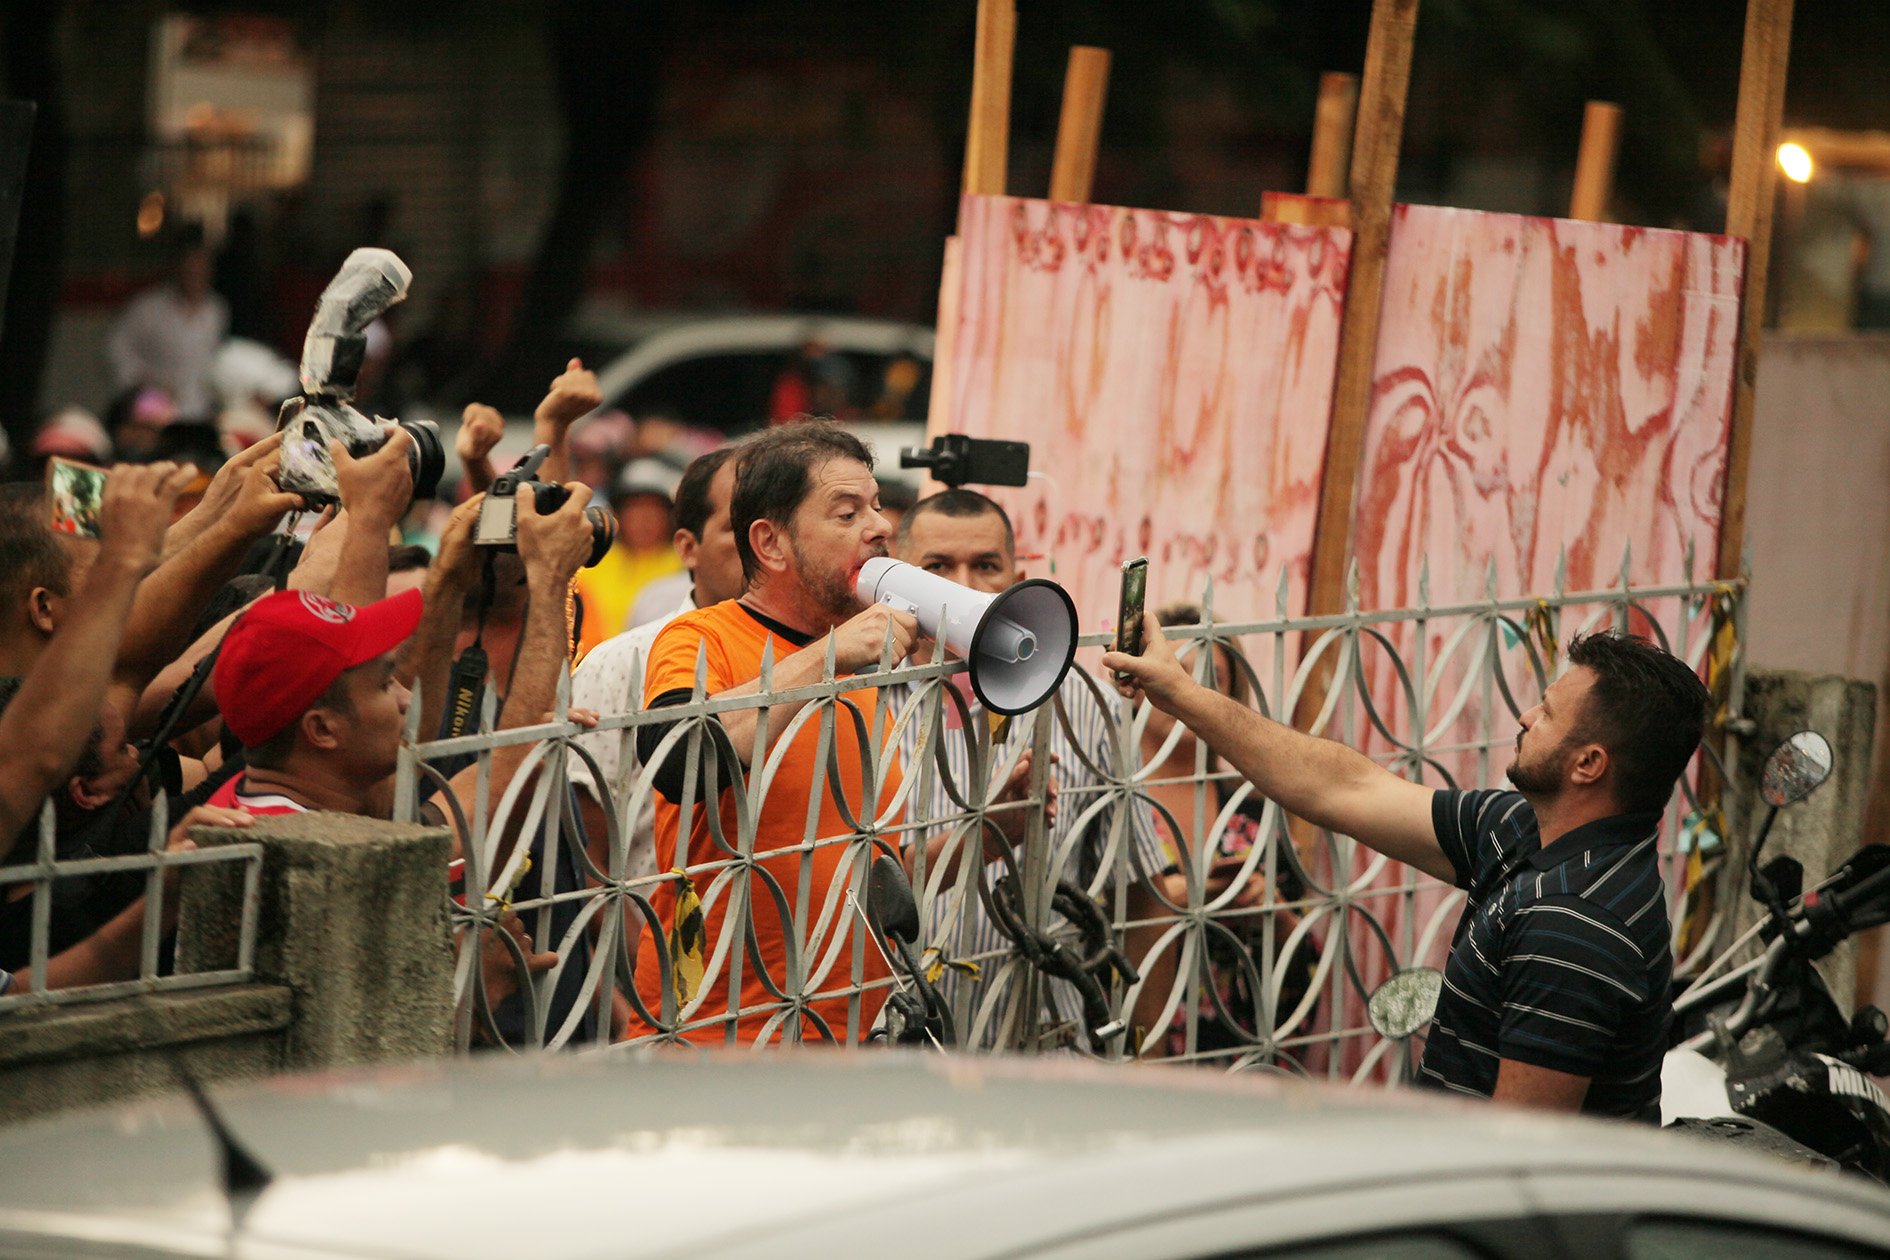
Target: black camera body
{"x": 958, "y": 458}
{"x": 369, "y": 282}
{"x": 497, "y": 526}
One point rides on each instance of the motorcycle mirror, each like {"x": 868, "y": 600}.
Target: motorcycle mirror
{"x": 1405, "y": 1003}
{"x": 890, "y": 906}
{"x": 1795, "y": 769}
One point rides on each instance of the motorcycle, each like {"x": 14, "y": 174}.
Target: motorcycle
{"x": 1762, "y": 1055}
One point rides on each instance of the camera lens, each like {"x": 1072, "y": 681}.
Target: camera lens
{"x": 603, "y": 534}
{"x": 427, "y": 459}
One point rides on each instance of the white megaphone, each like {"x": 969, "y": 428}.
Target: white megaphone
{"x": 1019, "y": 643}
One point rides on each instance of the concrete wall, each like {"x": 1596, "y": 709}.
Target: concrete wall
{"x": 1825, "y": 828}
{"x": 353, "y": 964}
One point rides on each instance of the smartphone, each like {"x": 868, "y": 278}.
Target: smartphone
{"x": 1129, "y": 609}
{"x": 75, "y": 491}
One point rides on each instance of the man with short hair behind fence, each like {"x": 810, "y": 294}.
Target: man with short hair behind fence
{"x": 602, "y": 681}
{"x": 966, "y": 537}
{"x": 806, "y": 518}
{"x": 1557, "y": 990}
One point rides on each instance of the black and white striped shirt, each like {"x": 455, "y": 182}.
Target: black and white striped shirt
{"x": 1563, "y": 957}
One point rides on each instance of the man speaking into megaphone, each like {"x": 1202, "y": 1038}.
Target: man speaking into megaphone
{"x": 805, "y": 516}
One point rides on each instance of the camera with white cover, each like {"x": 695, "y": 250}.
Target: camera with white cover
{"x": 369, "y": 282}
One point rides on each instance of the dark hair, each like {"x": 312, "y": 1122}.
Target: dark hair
{"x": 30, "y": 554}
{"x": 692, "y": 492}
{"x": 273, "y": 753}
{"x": 899, "y": 495}
{"x": 771, "y": 476}
{"x": 1647, "y": 708}
{"x": 960, "y": 504}
{"x": 406, "y": 557}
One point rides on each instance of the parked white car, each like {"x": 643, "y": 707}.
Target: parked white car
{"x": 838, "y": 1155}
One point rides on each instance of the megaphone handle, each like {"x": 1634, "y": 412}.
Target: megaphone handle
{"x": 903, "y": 605}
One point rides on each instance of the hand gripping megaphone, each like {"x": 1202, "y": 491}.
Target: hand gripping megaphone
{"x": 1019, "y": 643}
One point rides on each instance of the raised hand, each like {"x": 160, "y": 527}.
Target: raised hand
{"x": 480, "y": 428}
{"x": 255, "y": 504}
{"x": 554, "y": 547}
{"x": 136, "y": 510}
{"x": 378, "y": 488}
{"x": 458, "y": 557}
{"x": 1156, "y": 673}
{"x": 573, "y": 395}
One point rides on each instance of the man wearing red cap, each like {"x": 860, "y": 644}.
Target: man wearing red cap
{"x": 312, "y": 687}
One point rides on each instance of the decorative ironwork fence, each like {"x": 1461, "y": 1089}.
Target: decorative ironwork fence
{"x": 1249, "y": 941}
{"x": 149, "y": 916}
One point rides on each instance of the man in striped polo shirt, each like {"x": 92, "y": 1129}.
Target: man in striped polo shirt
{"x": 1556, "y": 993}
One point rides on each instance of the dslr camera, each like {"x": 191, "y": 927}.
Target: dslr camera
{"x": 497, "y": 526}
{"x": 369, "y": 282}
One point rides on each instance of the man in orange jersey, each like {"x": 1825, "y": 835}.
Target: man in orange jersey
{"x": 776, "y": 950}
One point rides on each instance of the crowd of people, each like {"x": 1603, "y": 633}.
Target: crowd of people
{"x": 246, "y": 652}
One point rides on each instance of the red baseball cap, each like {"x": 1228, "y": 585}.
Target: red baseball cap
{"x": 289, "y": 648}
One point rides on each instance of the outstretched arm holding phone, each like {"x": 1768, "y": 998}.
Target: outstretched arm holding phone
{"x": 1321, "y": 781}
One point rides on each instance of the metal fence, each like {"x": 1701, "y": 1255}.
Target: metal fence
{"x": 53, "y": 870}
{"x": 1252, "y": 941}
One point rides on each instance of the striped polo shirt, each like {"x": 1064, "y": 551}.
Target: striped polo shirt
{"x": 1562, "y": 959}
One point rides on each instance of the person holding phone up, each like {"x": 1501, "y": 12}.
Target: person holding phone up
{"x": 1556, "y": 992}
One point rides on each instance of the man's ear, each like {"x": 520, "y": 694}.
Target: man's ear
{"x": 770, "y": 545}
{"x": 1019, "y": 576}
{"x": 686, "y": 544}
{"x": 84, "y": 796}
{"x": 1591, "y": 766}
{"x": 42, "y": 609}
{"x": 320, "y": 729}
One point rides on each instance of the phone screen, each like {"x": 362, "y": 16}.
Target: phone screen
{"x": 75, "y": 491}
{"x": 1129, "y": 611}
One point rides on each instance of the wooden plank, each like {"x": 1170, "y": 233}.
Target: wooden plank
{"x": 1762, "y": 67}
{"x": 1594, "y": 163}
{"x": 1375, "y": 147}
{"x": 1333, "y": 120}
{"x": 1079, "y": 128}
{"x": 988, "y": 136}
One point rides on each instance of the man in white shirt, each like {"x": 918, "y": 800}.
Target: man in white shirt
{"x": 966, "y": 538}
{"x": 167, "y": 337}
{"x": 609, "y": 679}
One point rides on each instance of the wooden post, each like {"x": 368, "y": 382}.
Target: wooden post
{"x": 1762, "y": 68}
{"x": 1374, "y": 179}
{"x": 1594, "y": 164}
{"x": 988, "y": 137}
{"x": 1079, "y": 129}
{"x": 1333, "y": 120}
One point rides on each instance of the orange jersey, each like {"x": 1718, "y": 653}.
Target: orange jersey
{"x": 732, "y": 639}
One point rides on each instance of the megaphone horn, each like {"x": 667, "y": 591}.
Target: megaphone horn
{"x": 1018, "y": 643}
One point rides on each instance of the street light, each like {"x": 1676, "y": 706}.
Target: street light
{"x": 1795, "y": 161}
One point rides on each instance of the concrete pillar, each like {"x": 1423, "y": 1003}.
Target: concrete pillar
{"x": 352, "y": 921}
{"x": 1825, "y": 828}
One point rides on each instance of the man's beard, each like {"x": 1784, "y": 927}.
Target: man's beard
{"x": 830, "y": 589}
{"x": 1541, "y": 779}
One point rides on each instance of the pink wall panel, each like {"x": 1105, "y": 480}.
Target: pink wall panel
{"x": 1173, "y": 374}
{"x": 1541, "y": 384}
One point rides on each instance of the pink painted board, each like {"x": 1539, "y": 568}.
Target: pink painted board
{"x": 1173, "y": 374}
{"x": 1542, "y": 384}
